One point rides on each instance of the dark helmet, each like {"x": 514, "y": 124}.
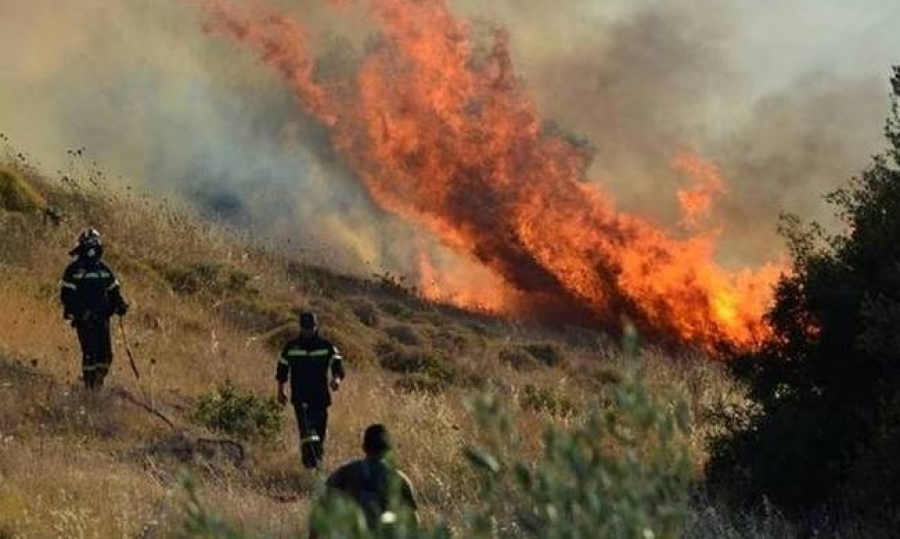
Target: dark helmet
{"x": 308, "y": 320}
{"x": 89, "y": 244}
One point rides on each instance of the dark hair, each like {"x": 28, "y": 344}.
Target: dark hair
{"x": 376, "y": 440}
{"x": 308, "y": 320}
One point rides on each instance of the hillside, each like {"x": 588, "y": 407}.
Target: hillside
{"x": 210, "y": 309}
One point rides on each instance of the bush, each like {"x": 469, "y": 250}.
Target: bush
{"x": 872, "y": 486}
{"x": 544, "y": 399}
{"x": 17, "y": 195}
{"x": 366, "y": 312}
{"x": 547, "y": 353}
{"x": 419, "y": 383}
{"x": 623, "y": 472}
{"x": 404, "y": 334}
{"x": 824, "y": 378}
{"x": 209, "y": 279}
{"x": 517, "y": 357}
{"x": 233, "y": 412}
{"x": 412, "y": 360}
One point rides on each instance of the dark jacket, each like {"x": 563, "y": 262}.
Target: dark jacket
{"x": 307, "y": 362}
{"x": 375, "y": 486}
{"x": 89, "y": 287}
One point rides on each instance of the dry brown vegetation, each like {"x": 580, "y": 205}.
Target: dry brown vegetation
{"x": 209, "y": 306}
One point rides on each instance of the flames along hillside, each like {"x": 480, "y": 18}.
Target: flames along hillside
{"x": 443, "y": 133}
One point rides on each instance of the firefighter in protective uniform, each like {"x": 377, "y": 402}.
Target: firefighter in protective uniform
{"x": 307, "y": 362}
{"x": 90, "y": 295}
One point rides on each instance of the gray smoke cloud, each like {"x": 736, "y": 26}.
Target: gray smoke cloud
{"x": 788, "y": 100}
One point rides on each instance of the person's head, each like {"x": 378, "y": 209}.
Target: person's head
{"x": 309, "y": 324}
{"x": 377, "y": 441}
{"x": 89, "y": 245}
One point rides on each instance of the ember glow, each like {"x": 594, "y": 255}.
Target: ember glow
{"x": 442, "y": 133}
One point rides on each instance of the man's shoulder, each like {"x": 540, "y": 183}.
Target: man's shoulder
{"x": 308, "y": 343}
{"x": 403, "y": 477}
{"x": 322, "y": 342}
{"x": 74, "y": 265}
{"x": 347, "y": 472}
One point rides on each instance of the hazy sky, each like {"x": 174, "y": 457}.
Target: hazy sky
{"x": 788, "y": 98}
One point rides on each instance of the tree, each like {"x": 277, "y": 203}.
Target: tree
{"x": 827, "y": 379}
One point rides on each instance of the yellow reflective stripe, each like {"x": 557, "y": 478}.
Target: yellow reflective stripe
{"x": 114, "y": 285}
{"x": 297, "y": 352}
{"x": 282, "y": 361}
{"x": 309, "y": 439}
{"x": 92, "y": 275}
{"x": 97, "y": 367}
{"x": 67, "y": 284}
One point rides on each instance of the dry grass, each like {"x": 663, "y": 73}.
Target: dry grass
{"x": 78, "y": 466}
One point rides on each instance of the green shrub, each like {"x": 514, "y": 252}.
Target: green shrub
{"x": 410, "y": 360}
{"x": 234, "y": 412}
{"x": 253, "y": 313}
{"x": 397, "y": 309}
{"x": 872, "y": 486}
{"x": 207, "y": 278}
{"x": 623, "y": 472}
{"x": 404, "y": 334}
{"x": 419, "y": 383}
{"x": 18, "y": 195}
{"x": 543, "y": 399}
{"x": 366, "y": 312}
{"x": 821, "y": 380}
{"x": 547, "y": 353}
{"x": 517, "y": 357}
{"x": 454, "y": 339}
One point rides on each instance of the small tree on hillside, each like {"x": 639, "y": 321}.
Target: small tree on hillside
{"x": 826, "y": 378}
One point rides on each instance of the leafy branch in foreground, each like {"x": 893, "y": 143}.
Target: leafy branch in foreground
{"x": 623, "y": 471}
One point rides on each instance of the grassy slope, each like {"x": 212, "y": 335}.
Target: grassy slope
{"x": 208, "y": 307}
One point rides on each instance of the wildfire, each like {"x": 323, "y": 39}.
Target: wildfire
{"x": 443, "y": 134}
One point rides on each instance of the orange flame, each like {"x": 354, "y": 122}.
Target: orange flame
{"x": 697, "y": 203}
{"x": 445, "y": 136}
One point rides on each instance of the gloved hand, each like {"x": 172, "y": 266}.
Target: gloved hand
{"x": 69, "y": 317}
{"x": 281, "y": 398}
{"x": 335, "y": 384}
{"x": 122, "y": 309}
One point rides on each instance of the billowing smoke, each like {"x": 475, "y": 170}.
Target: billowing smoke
{"x": 158, "y": 100}
{"x": 788, "y": 98}
{"x": 153, "y": 99}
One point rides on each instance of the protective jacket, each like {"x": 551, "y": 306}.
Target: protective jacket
{"x": 90, "y": 289}
{"x": 307, "y": 362}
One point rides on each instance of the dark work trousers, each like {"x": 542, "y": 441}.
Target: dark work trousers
{"x": 96, "y": 349}
{"x": 312, "y": 425}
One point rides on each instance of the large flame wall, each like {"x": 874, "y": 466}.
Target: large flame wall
{"x": 445, "y": 135}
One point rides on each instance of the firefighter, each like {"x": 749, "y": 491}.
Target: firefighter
{"x": 307, "y": 361}
{"x": 383, "y": 492}
{"x": 91, "y": 295}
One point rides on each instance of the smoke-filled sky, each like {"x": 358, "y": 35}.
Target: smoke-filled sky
{"x": 787, "y": 98}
